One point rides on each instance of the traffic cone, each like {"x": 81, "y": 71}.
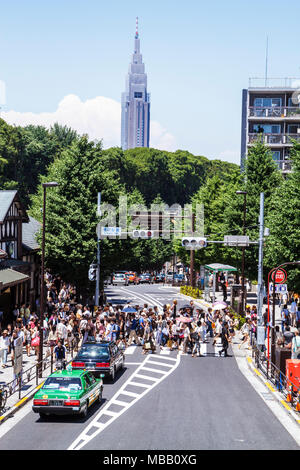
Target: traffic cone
{"x": 298, "y": 403}
{"x": 289, "y": 395}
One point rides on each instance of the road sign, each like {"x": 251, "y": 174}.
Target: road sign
{"x": 108, "y": 231}
{"x": 279, "y": 288}
{"x": 280, "y": 276}
{"x": 236, "y": 240}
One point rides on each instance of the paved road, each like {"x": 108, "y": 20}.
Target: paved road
{"x": 162, "y": 401}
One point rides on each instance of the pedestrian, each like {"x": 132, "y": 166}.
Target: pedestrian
{"x": 196, "y": 335}
{"x": 4, "y": 347}
{"x": 225, "y": 339}
{"x": 245, "y": 330}
{"x": 296, "y": 346}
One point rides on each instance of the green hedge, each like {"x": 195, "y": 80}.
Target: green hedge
{"x": 191, "y": 292}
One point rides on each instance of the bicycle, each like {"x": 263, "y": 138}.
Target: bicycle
{"x": 3, "y": 397}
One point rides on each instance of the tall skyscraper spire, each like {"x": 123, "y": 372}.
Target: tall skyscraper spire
{"x": 137, "y": 27}
{"x": 135, "y": 122}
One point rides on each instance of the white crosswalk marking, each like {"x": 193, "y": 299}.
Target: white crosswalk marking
{"x": 130, "y": 350}
{"x": 96, "y": 426}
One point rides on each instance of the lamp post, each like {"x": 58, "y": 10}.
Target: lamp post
{"x": 243, "y": 250}
{"x": 274, "y": 272}
{"x": 42, "y": 297}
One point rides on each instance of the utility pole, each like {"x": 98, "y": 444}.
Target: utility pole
{"x": 97, "y": 289}
{"x": 243, "y": 252}
{"x": 192, "y": 256}
{"x": 260, "y": 294}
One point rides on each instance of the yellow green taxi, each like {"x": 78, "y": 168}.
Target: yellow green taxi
{"x": 68, "y": 392}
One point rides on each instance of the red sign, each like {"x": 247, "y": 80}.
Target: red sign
{"x": 280, "y": 277}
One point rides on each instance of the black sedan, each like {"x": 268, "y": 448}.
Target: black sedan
{"x": 102, "y": 357}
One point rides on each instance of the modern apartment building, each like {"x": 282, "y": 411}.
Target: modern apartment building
{"x": 135, "y": 118}
{"x": 271, "y": 112}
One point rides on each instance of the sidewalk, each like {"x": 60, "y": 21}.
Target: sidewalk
{"x": 28, "y": 389}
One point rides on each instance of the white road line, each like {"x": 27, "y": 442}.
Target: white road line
{"x": 130, "y": 350}
{"x": 165, "y": 352}
{"x": 160, "y": 363}
{"x": 147, "y": 377}
{"x": 85, "y": 437}
{"x": 137, "y": 384}
{"x": 150, "y": 369}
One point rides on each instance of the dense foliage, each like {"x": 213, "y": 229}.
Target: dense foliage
{"x": 33, "y": 154}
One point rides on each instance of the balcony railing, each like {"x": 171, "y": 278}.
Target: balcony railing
{"x": 274, "y": 111}
{"x": 273, "y": 139}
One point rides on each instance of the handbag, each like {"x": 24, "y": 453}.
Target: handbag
{"x": 36, "y": 341}
{"x": 148, "y": 345}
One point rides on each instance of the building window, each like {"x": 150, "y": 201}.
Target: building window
{"x": 138, "y": 94}
{"x": 267, "y": 102}
{"x": 276, "y": 155}
{"x": 267, "y": 128}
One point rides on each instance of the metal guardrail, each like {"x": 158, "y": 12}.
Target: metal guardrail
{"x": 289, "y": 391}
{"x": 33, "y": 375}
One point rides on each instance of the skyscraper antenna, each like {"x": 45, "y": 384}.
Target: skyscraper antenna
{"x": 267, "y": 53}
{"x": 137, "y": 27}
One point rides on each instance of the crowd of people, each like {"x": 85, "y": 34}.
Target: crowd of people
{"x": 69, "y": 324}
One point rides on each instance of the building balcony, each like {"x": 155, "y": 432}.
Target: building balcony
{"x": 273, "y": 139}
{"x": 281, "y": 112}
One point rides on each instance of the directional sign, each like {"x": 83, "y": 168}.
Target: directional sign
{"x": 236, "y": 240}
{"x": 280, "y": 276}
{"x": 108, "y": 231}
{"x": 279, "y": 288}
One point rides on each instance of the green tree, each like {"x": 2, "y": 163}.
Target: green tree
{"x": 283, "y": 220}
{"x": 261, "y": 175}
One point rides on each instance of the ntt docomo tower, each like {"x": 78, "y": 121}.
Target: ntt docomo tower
{"x": 135, "y": 119}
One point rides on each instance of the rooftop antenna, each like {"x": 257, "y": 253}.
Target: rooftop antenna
{"x": 267, "y": 52}
{"x": 137, "y": 27}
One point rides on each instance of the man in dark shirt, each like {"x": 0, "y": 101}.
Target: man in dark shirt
{"x": 288, "y": 336}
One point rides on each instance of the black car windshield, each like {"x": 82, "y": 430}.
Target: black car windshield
{"x": 63, "y": 383}
{"x": 94, "y": 350}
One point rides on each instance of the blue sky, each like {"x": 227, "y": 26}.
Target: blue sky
{"x": 198, "y": 56}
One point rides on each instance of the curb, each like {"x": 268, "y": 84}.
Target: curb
{"x": 274, "y": 392}
{"x": 20, "y": 404}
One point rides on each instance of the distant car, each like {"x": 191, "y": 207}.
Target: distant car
{"x": 67, "y": 392}
{"x": 132, "y": 277}
{"x": 119, "y": 279}
{"x": 102, "y": 357}
{"x": 145, "y": 279}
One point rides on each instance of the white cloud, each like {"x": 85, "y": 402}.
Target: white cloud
{"x": 99, "y": 117}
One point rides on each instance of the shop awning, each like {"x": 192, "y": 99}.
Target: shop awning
{"x": 215, "y": 267}
{"x": 10, "y": 277}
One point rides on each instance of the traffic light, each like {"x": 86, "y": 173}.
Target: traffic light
{"x": 193, "y": 243}
{"x": 143, "y": 234}
{"x": 93, "y": 272}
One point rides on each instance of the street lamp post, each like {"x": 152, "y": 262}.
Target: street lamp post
{"x": 42, "y": 297}
{"x": 243, "y": 250}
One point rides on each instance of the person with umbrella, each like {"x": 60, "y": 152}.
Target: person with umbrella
{"x": 133, "y": 334}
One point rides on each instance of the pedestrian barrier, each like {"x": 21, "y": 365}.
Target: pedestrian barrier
{"x": 25, "y": 382}
{"x": 289, "y": 391}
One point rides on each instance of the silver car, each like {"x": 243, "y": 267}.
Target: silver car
{"x": 119, "y": 279}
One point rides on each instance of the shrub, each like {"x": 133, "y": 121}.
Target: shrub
{"x": 191, "y": 291}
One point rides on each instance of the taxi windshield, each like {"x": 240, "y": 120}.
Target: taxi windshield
{"x": 94, "y": 351}
{"x": 63, "y": 383}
